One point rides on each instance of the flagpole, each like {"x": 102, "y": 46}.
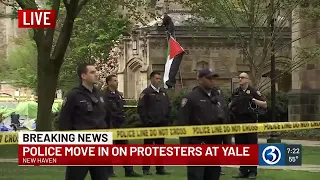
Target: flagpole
{"x": 181, "y": 81}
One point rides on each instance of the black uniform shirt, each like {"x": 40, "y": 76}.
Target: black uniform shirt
{"x": 224, "y": 106}
{"x": 198, "y": 108}
{"x": 241, "y": 99}
{"x": 82, "y": 109}
{"x": 154, "y": 107}
{"x": 114, "y": 104}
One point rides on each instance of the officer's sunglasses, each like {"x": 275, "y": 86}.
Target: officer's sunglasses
{"x": 242, "y": 77}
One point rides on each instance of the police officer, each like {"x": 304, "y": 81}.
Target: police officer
{"x": 202, "y": 106}
{"x": 116, "y": 117}
{"x": 244, "y": 99}
{"x": 154, "y": 109}
{"x": 83, "y": 109}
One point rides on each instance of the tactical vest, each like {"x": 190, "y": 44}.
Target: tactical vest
{"x": 242, "y": 100}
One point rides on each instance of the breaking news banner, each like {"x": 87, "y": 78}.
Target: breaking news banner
{"x": 96, "y": 149}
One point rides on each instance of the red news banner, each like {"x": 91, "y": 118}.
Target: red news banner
{"x": 95, "y": 148}
{"x": 62, "y": 154}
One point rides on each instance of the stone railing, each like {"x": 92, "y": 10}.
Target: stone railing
{"x": 214, "y": 32}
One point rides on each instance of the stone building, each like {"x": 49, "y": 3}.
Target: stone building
{"x": 8, "y": 30}
{"x": 145, "y": 51}
{"x": 304, "y": 101}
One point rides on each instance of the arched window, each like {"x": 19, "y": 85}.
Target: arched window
{"x": 202, "y": 64}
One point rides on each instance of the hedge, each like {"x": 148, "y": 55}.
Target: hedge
{"x": 176, "y": 98}
{"x": 133, "y": 119}
{"x": 307, "y": 134}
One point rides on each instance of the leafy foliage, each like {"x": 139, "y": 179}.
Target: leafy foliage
{"x": 3, "y": 68}
{"x": 95, "y": 30}
{"x": 21, "y": 68}
{"x": 256, "y": 16}
{"x": 311, "y": 9}
{"x": 52, "y": 44}
{"x": 281, "y": 107}
{"x": 176, "y": 98}
{"x": 108, "y": 66}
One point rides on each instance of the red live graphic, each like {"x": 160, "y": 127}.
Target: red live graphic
{"x": 36, "y": 18}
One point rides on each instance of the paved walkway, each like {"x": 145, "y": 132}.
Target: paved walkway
{"x": 288, "y": 141}
{"x": 8, "y": 160}
{"x": 304, "y": 167}
{"x": 302, "y": 142}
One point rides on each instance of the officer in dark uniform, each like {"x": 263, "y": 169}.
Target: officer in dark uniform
{"x": 83, "y": 109}
{"x": 226, "y": 139}
{"x": 243, "y": 101}
{"x": 154, "y": 109}
{"x": 116, "y": 116}
{"x": 202, "y": 106}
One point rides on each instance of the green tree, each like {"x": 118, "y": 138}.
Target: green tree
{"x": 22, "y": 64}
{"x": 52, "y": 46}
{"x": 3, "y": 68}
{"x": 256, "y": 43}
{"x": 96, "y": 29}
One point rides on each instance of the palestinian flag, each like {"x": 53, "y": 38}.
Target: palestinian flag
{"x": 174, "y": 57}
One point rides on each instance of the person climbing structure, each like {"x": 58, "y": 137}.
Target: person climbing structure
{"x": 168, "y": 24}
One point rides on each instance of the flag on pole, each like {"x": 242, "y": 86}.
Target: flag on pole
{"x": 174, "y": 56}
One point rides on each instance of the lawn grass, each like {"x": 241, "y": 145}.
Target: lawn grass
{"x": 10, "y": 171}
{"x": 310, "y": 155}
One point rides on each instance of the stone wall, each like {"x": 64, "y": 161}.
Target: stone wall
{"x": 201, "y": 53}
{"x": 210, "y": 49}
{"x": 9, "y": 89}
{"x": 146, "y": 49}
{"x": 304, "y": 106}
{"x": 304, "y": 99}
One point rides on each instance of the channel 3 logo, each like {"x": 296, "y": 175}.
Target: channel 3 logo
{"x": 271, "y": 154}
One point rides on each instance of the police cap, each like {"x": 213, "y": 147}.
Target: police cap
{"x": 206, "y": 72}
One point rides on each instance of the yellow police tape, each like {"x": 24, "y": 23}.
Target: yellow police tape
{"x": 186, "y": 131}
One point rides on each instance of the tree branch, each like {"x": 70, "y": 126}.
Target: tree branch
{"x": 50, "y": 32}
{"x": 230, "y": 16}
{"x": 27, "y": 4}
{"x": 31, "y": 4}
{"x": 6, "y": 3}
{"x": 66, "y": 32}
{"x": 291, "y": 69}
{"x": 81, "y": 4}
{"x": 295, "y": 65}
{"x": 66, "y": 4}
